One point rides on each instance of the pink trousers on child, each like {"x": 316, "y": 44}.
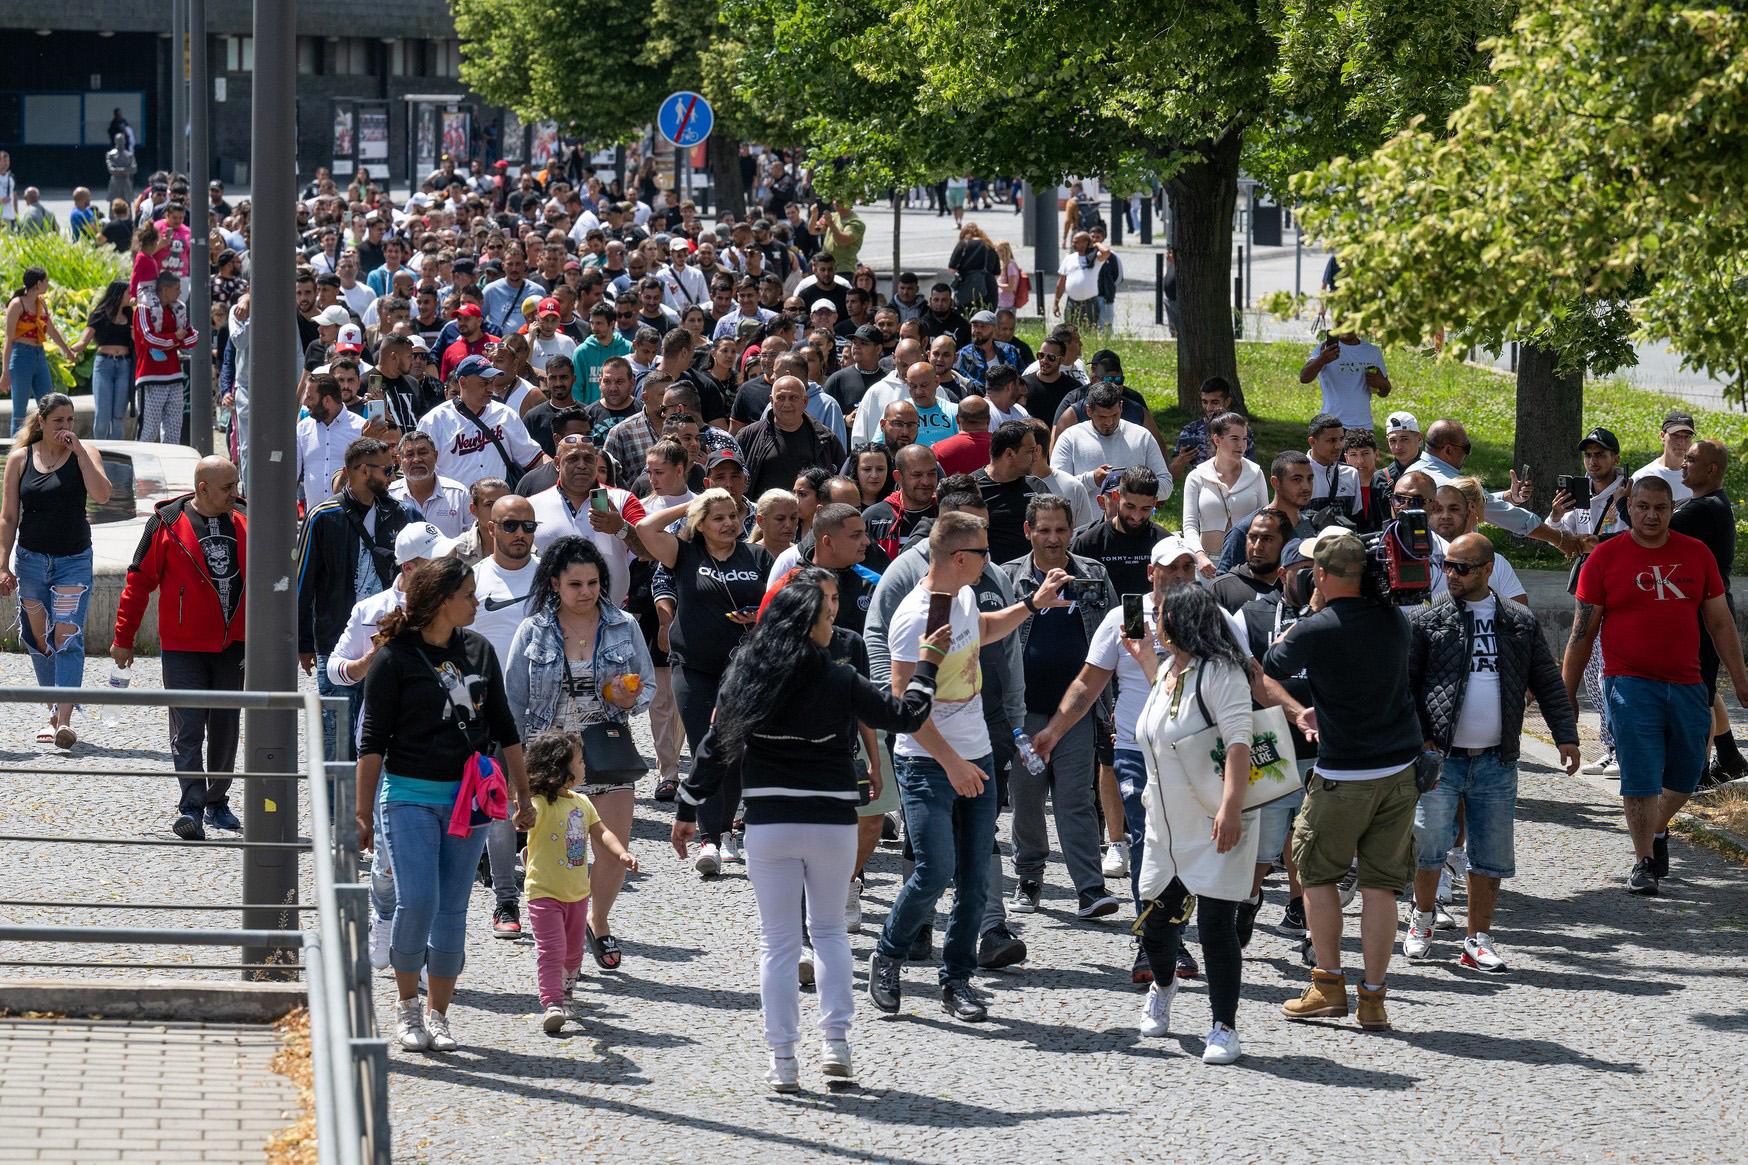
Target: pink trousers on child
{"x": 558, "y": 943}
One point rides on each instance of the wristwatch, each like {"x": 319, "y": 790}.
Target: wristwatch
{"x": 1028, "y": 603}
{"x": 623, "y": 533}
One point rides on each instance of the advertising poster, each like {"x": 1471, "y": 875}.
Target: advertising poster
{"x": 425, "y": 139}
{"x": 344, "y": 144}
{"x": 545, "y": 147}
{"x": 372, "y": 136}
{"x": 457, "y": 135}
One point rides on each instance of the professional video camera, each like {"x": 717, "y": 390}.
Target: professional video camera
{"x": 1398, "y": 557}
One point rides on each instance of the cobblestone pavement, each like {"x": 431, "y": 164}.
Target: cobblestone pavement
{"x": 1618, "y": 1034}
{"x": 88, "y": 1090}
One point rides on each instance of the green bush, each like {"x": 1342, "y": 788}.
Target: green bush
{"x": 79, "y": 270}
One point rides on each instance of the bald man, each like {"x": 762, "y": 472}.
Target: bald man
{"x": 872, "y": 408}
{"x": 966, "y": 451}
{"x": 194, "y": 546}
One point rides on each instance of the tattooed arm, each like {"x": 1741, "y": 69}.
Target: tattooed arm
{"x": 1586, "y": 622}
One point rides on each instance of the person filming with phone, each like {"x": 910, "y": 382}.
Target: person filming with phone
{"x": 945, "y": 768}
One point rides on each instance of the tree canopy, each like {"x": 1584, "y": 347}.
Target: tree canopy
{"x": 1591, "y": 191}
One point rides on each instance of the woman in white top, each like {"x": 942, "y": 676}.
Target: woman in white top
{"x": 1221, "y": 491}
{"x": 1193, "y": 848}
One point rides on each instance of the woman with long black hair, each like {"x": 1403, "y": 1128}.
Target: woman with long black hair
{"x": 111, "y": 327}
{"x": 786, "y": 722}
{"x": 717, "y": 579}
{"x": 1204, "y": 683}
{"x": 433, "y": 705}
{"x": 578, "y": 663}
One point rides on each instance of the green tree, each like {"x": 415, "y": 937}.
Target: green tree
{"x": 902, "y": 90}
{"x": 1591, "y": 193}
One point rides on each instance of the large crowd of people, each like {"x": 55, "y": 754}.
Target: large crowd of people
{"x": 570, "y": 456}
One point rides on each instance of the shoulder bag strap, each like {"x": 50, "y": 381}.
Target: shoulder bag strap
{"x": 510, "y": 465}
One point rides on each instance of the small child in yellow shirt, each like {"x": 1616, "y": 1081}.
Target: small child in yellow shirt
{"x": 558, "y": 867}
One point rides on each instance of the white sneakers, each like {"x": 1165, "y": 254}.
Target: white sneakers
{"x": 806, "y": 968}
{"x": 709, "y": 861}
{"x": 731, "y": 848}
{"x": 784, "y": 1074}
{"x": 1116, "y": 863}
{"x": 853, "y": 908}
{"x": 553, "y": 1022}
{"x": 1221, "y": 1046}
{"x": 1417, "y": 943}
{"x": 1480, "y": 954}
{"x": 1156, "y": 1012}
{"x": 1603, "y": 766}
{"x": 834, "y": 1059}
{"x": 381, "y": 931}
{"x": 410, "y": 1031}
{"x": 437, "y": 1024}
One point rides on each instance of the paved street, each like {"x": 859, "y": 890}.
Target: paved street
{"x": 1618, "y": 1035}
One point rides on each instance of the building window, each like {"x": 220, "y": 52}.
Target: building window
{"x": 351, "y": 57}
{"x": 309, "y": 54}
{"x": 399, "y": 59}
{"x": 446, "y": 58}
{"x": 239, "y": 54}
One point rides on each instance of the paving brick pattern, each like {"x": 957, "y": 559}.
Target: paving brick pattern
{"x": 1618, "y": 1035}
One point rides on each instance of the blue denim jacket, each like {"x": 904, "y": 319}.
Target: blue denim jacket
{"x": 534, "y": 672}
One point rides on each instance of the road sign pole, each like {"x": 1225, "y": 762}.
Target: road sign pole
{"x": 200, "y": 220}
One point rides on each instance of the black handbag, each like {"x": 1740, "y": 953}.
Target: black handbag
{"x": 608, "y": 748}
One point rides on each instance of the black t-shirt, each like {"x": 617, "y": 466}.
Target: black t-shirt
{"x": 713, "y": 394}
{"x": 603, "y": 418}
{"x": 795, "y": 454}
{"x": 538, "y": 422}
{"x": 1007, "y": 513}
{"x": 538, "y": 480}
{"x": 1055, "y": 647}
{"x": 1236, "y": 588}
{"x": 660, "y": 322}
{"x": 1710, "y": 519}
{"x": 889, "y": 526}
{"x": 408, "y": 398}
{"x": 952, "y": 324}
{"x": 1124, "y": 555}
{"x": 706, "y": 592}
{"x": 218, "y": 543}
{"x": 849, "y": 385}
{"x": 1360, "y": 726}
{"x": 370, "y": 256}
{"x": 1042, "y": 400}
{"x": 750, "y": 401}
{"x": 418, "y": 698}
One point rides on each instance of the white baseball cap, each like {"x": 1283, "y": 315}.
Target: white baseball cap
{"x": 1401, "y": 423}
{"x": 1169, "y": 549}
{"x": 420, "y": 540}
{"x": 333, "y": 316}
{"x": 349, "y": 339}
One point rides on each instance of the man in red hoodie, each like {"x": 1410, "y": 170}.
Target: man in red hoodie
{"x": 193, "y": 550}
{"x": 891, "y": 521}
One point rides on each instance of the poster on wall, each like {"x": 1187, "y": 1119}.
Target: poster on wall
{"x": 425, "y": 139}
{"x": 514, "y": 138}
{"x": 544, "y": 148}
{"x": 345, "y": 147}
{"x": 373, "y": 137}
{"x": 457, "y": 134}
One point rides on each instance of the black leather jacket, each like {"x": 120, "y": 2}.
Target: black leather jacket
{"x": 1438, "y": 673}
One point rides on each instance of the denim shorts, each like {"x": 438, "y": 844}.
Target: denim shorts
{"x": 1275, "y": 820}
{"x": 1486, "y": 788}
{"x": 1660, "y": 732}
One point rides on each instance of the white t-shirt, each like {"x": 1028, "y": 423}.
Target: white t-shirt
{"x": 1478, "y": 722}
{"x": 1082, "y": 449}
{"x": 1343, "y": 381}
{"x": 465, "y": 454}
{"x": 1672, "y": 476}
{"x": 354, "y": 641}
{"x": 503, "y": 604}
{"x": 558, "y": 520}
{"x": 1082, "y": 272}
{"x": 446, "y": 508}
{"x": 360, "y": 298}
{"x": 1106, "y": 651}
{"x": 540, "y": 351}
{"x": 958, "y": 712}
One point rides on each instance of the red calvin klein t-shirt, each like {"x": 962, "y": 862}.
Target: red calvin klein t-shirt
{"x": 1650, "y": 600}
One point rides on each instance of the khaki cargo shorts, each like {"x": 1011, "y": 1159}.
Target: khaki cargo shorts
{"x": 1371, "y": 819}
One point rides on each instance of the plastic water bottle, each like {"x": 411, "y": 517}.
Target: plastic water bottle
{"x": 1028, "y": 755}
{"x": 119, "y": 677}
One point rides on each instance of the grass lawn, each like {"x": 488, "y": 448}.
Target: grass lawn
{"x": 1483, "y": 400}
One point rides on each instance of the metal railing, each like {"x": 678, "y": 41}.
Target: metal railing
{"x": 349, "y": 1061}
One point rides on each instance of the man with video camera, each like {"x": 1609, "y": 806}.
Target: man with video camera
{"x": 1361, "y": 796}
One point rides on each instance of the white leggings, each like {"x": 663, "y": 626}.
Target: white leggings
{"x": 162, "y": 418}
{"x": 782, "y": 859}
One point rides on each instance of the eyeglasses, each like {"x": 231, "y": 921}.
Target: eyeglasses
{"x": 518, "y": 525}
{"x": 1408, "y": 500}
{"x": 983, "y": 550}
{"x": 1460, "y": 569}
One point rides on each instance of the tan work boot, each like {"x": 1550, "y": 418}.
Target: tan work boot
{"x": 1326, "y": 997}
{"x": 1372, "y": 1017}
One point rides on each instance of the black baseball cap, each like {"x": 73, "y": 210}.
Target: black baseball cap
{"x": 869, "y": 334}
{"x": 1601, "y": 436}
{"x": 1678, "y": 419}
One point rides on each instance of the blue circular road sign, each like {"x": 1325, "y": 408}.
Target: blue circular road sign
{"x": 685, "y": 119}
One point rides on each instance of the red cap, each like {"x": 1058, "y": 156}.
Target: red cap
{"x": 500, "y": 164}
{"x": 469, "y": 309}
{"x": 549, "y": 307}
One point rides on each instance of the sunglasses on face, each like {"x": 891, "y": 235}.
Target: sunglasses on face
{"x": 518, "y": 525}
{"x": 983, "y": 550}
{"x": 1408, "y": 500}
{"x": 1461, "y": 569}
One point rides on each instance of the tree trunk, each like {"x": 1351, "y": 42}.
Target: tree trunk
{"x": 1550, "y": 418}
{"x": 725, "y": 184}
{"x": 1203, "y": 196}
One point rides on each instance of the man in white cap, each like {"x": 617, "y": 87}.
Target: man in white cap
{"x": 683, "y": 285}
{"x": 1402, "y": 435}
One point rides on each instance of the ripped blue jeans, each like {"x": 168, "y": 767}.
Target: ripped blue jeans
{"x": 53, "y": 592}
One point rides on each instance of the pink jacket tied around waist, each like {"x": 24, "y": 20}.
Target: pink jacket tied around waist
{"x": 483, "y": 796}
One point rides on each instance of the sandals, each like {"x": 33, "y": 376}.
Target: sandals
{"x": 605, "y": 949}
{"x": 667, "y": 788}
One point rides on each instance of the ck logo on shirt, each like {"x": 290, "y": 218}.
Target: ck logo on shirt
{"x": 1658, "y": 581}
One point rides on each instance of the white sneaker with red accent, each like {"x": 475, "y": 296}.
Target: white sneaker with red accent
{"x": 1480, "y": 954}
{"x": 1417, "y": 943}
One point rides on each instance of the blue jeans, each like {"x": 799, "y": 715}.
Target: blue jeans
{"x": 112, "y": 383}
{"x": 1131, "y": 769}
{"x": 29, "y": 369}
{"x": 57, "y": 587}
{"x": 951, "y": 838}
{"x": 1486, "y": 787}
{"x": 1660, "y": 733}
{"x": 433, "y": 875}
{"x": 354, "y": 694}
